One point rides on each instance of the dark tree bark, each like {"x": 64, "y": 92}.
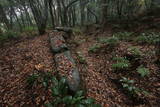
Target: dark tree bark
{"x": 96, "y": 18}
{"x": 3, "y": 18}
{"x": 14, "y": 13}
{"x": 51, "y": 13}
{"x": 40, "y": 14}
{"x": 66, "y": 8}
{"x": 104, "y": 11}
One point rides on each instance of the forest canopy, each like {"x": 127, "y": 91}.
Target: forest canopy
{"x": 20, "y": 15}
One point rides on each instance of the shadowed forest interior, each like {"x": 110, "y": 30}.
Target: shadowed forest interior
{"x": 79, "y": 53}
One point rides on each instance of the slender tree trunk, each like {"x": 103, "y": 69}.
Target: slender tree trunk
{"x": 28, "y": 16}
{"x": 51, "y": 13}
{"x": 3, "y": 18}
{"x": 104, "y": 11}
{"x": 82, "y": 12}
{"x": 40, "y": 15}
{"x": 59, "y": 12}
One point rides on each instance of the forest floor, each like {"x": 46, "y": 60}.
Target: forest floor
{"x": 103, "y": 83}
{"x": 20, "y": 59}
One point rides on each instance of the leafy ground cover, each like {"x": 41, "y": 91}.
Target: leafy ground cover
{"x": 136, "y": 83}
{"x": 18, "y": 60}
{"x": 137, "y": 80}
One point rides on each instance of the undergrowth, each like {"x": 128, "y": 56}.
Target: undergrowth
{"x": 60, "y": 92}
{"x": 94, "y": 48}
{"x": 143, "y": 71}
{"x": 131, "y": 88}
{"x": 110, "y": 41}
{"x": 81, "y": 58}
{"x": 121, "y": 64}
{"x": 148, "y": 38}
{"x": 30, "y": 31}
{"x": 125, "y": 36}
{"x": 8, "y": 35}
{"x": 135, "y": 52}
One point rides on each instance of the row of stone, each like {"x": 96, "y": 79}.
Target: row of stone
{"x": 64, "y": 62}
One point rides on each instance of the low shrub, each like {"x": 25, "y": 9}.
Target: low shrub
{"x": 9, "y": 35}
{"x": 134, "y": 51}
{"x": 111, "y": 41}
{"x": 133, "y": 90}
{"x": 60, "y": 92}
{"x": 78, "y": 31}
{"x": 143, "y": 71}
{"x": 148, "y": 38}
{"x": 29, "y": 29}
{"x": 81, "y": 58}
{"x": 125, "y": 36}
{"x": 94, "y": 48}
{"x": 121, "y": 64}
{"x": 32, "y": 79}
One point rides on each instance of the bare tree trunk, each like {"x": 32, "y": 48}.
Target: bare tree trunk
{"x": 82, "y": 12}
{"x": 40, "y": 14}
{"x": 59, "y": 12}
{"x": 3, "y": 17}
{"x": 51, "y": 13}
{"x": 96, "y": 18}
{"x": 28, "y": 16}
{"x": 104, "y": 11}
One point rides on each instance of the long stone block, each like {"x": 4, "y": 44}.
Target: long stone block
{"x": 57, "y": 43}
{"x": 67, "y": 67}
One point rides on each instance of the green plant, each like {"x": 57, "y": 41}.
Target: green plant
{"x": 129, "y": 86}
{"x": 94, "y": 48}
{"x": 111, "y": 41}
{"x": 81, "y": 58}
{"x": 149, "y": 38}
{"x": 60, "y": 92}
{"x": 143, "y": 71}
{"x": 29, "y": 29}
{"x": 142, "y": 39}
{"x": 121, "y": 63}
{"x": 61, "y": 95}
{"x": 43, "y": 78}
{"x": 32, "y": 79}
{"x": 77, "y": 30}
{"x": 8, "y": 35}
{"x": 126, "y": 36}
{"x": 135, "y": 51}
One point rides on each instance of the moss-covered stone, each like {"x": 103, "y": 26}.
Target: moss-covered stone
{"x": 57, "y": 43}
{"x": 66, "y": 67}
